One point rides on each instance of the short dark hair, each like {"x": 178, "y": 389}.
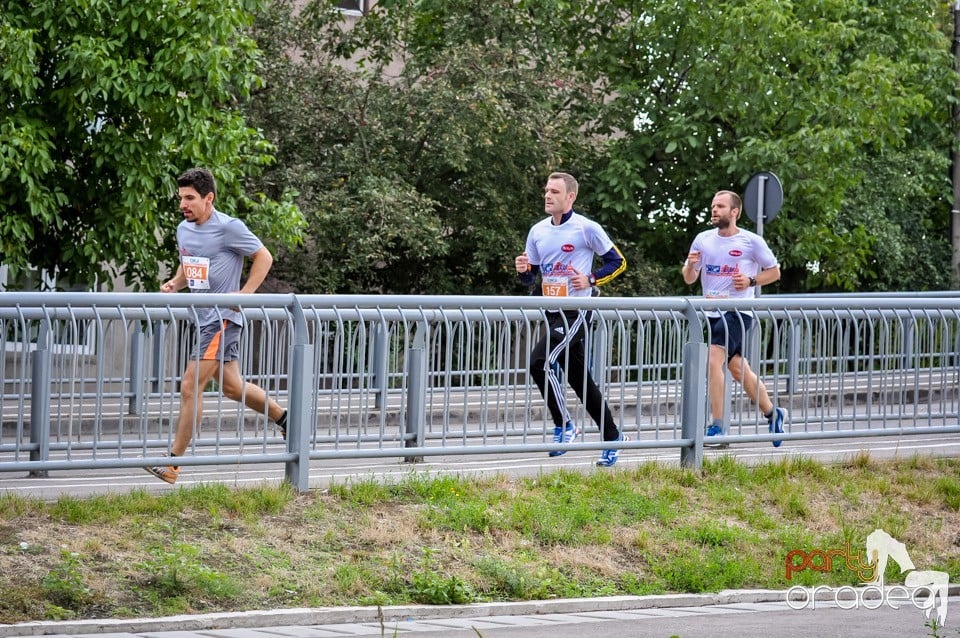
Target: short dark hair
{"x": 200, "y": 179}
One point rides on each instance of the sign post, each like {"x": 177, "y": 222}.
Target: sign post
{"x": 763, "y": 198}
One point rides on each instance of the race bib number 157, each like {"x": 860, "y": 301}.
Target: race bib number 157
{"x": 555, "y": 286}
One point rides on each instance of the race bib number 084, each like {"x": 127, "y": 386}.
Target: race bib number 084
{"x": 197, "y": 272}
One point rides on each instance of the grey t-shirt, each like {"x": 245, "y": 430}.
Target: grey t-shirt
{"x": 212, "y": 258}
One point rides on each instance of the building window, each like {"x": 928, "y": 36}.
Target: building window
{"x": 357, "y": 7}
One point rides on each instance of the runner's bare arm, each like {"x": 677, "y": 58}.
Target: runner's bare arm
{"x": 262, "y": 260}
{"x": 175, "y": 283}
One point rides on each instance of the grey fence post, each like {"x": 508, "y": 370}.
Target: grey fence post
{"x": 908, "y": 329}
{"x": 379, "y": 365}
{"x": 300, "y": 411}
{"x": 597, "y": 356}
{"x": 159, "y": 345}
{"x": 135, "y": 405}
{"x": 693, "y": 415}
{"x": 40, "y": 399}
{"x": 793, "y": 357}
{"x": 416, "y": 392}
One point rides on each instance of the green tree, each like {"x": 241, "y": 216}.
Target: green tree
{"x": 833, "y": 96}
{"x": 418, "y": 139}
{"x": 425, "y": 176}
{"x": 104, "y": 103}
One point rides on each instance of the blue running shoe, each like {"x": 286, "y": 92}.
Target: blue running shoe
{"x": 776, "y": 423}
{"x": 715, "y": 429}
{"x": 566, "y": 434}
{"x": 609, "y": 457}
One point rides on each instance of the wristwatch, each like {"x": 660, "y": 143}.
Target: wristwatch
{"x": 753, "y": 281}
{"x": 592, "y": 279}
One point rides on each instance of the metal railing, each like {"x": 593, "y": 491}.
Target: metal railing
{"x": 91, "y": 379}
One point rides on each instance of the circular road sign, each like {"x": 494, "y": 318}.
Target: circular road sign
{"x": 763, "y": 195}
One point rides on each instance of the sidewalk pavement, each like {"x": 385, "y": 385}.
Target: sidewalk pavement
{"x": 388, "y": 615}
{"x": 724, "y": 614}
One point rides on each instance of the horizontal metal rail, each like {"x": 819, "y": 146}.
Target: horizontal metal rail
{"x": 92, "y": 379}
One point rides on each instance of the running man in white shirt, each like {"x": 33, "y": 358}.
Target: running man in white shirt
{"x": 731, "y": 262}
{"x": 212, "y": 247}
{"x": 560, "y": 249}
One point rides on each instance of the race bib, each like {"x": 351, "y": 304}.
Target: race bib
{"x": 716, "y": 294}
{"x": 197, "y": 271}
{"x": 555, "y": 286}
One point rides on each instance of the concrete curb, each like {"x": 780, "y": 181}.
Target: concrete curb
{"x": 335, "y": 615}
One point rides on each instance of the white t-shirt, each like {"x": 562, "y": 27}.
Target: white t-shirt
{"x": 564, "y": 251}
{"x": 723, "y": 257}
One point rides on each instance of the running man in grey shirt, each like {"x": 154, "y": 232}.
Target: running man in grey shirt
{"x": 212, "y": 247}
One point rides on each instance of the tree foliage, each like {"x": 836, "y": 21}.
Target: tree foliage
{"x": 104, "y": 102}
{"x": 419, "y": 138}
{"x": 831, "y": 95}
{"x": 420, "y": 176}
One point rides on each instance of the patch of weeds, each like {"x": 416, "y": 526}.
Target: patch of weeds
{"x": 65, "y": 587}
{"x": 791, "y": 467}
{"x": 809, "y": 468}
{"x": 710, "y": 534}
{"x": 9, "y": 534}
{"x": 616, "y": 502}
{"x": 79, "y": 511}
{"x": 218, "y": 500}
{"x": 514, "y": 582}
{"x": 918, "y": 489}
{"x": 361, "y": 493}
{"x": 107, "y": 508}
{"x": 675, "y": 496}
{"x": 254, "y": 503}
{"x": 266, "y": 558}
{"x": 57, "y": 613}
{"x": 376, "y": 599}
{"x": 460, "y": 506}
{"x": 727, "y": 469}
{"x": 319, "y": 510}
{"x": 793, "y": 502}
{"x": 636, "y": 585}
{"x": 461, "y": 515}
{"x": 948, "y": 488}
{"x": 555, "y": 482}
{"x": 859, "y": 461}
{"x": 430, "y": 587}
{"x": 348, "y": 577}
{"x": 178, "y": 572}
{"x": 565, "y": 519}
{"x": 22, "y": 602}
{"x": 585, "y": 587}
{"x": 757, "y": 516}
{"x": 15, "y": 506}
{"x": 283, "y": 592}
{"x": 712, "y": 569}
{"x": 917, "y": 462}
{"x": 689, "y": 479}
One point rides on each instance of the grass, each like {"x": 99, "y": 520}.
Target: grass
{"x": 646, "y": 530}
